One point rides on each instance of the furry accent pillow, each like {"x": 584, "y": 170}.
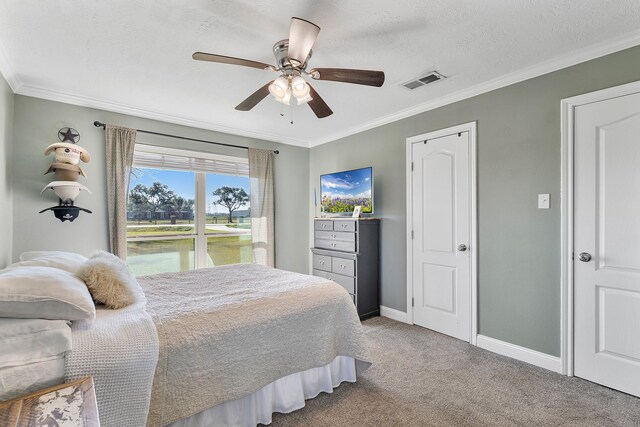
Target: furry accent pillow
{"x": 110, "y": 282}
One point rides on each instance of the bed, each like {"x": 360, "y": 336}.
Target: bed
{"x": 227, "y": 345}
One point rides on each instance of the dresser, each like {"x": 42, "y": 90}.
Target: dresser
{"x": 346, "y": 250}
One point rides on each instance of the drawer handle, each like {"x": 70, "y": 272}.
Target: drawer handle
{"x": 321, "y": 262}
{"x": 343, "y": 225}
{"x": 333, "y": 245}
{"x": 324, "y": 225}
{"x": 333, "y": 235}
{"x": 342, "y": 266}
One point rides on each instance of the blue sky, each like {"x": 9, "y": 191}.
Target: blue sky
{"x": 184, "y": 184}
{"x": 355, "y": 183}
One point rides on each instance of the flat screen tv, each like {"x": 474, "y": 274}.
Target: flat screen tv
{"x": 341, "y": 192}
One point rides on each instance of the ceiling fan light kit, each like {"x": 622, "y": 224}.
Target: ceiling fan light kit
{"x": 286, "y": 98}
{"x": 304, "y": 99}
{"x": 284, "y": 86}
{"x": 292, "y": 56}
{"x": 279, "y": 87}
{"x": 299, "y": 86}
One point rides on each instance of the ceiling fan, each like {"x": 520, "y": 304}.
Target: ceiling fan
{"x": 292, "y": 56}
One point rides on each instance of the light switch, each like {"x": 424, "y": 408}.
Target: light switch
{"x": 543, "y": 201}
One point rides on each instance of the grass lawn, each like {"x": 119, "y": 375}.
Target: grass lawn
{"x": 218, "y": 220}
{"x": 229, "y": 250}
{"x": 159, "y": 230}
{"x": 133, "y": 231}
{"x": 158, "y": 222}
{"x": 162, "y": 256}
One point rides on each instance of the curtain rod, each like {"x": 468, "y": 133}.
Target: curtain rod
{"x": 103, "y": 126}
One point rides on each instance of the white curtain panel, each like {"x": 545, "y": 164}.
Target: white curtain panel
{"x": 262, "y": 206}
{"x": 119, "y": 152}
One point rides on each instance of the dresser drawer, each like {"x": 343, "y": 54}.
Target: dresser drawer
{"x": 336, "y": 235}
{"x": 322, "y": 262}
{"x": 335, "y": 245}
{"x": 343, "y": 266}
{"x": 320, "y": 273}
{"x": 322, "y": 224}
{"x": 346, "y": 282}
{"x": 344, "y": 225}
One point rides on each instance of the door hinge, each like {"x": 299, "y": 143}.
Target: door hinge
{"x": 413, "y": 302}
{"x": 411, "y": 234}
{"x": 411, "y": 166}
{"x": 572, "y": 256}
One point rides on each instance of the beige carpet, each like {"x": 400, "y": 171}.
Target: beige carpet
{"x": 422, "y": 378}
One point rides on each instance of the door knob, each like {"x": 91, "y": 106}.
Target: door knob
{"x": 584, "y": 257}
{"x": 462, "y": 248}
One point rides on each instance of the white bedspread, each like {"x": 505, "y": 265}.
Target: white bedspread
{"x": 216, "y": 335}
{"x": 120, "y": 351}
{"x": 228, "y": 331}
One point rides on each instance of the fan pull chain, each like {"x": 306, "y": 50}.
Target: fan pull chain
{"x": 292, "y": 113}
{"x": 281, "y": 110}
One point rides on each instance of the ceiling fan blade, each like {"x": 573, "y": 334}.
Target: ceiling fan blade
{"x": 302, "y": 36}
{"x": 346, "y": 75}
{"x": 254, "y": 98}
{"x": 317, "y": 104}
{"x": 201, "y": 56}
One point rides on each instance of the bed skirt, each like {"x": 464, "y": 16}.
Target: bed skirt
{"x": 284, "y": 395}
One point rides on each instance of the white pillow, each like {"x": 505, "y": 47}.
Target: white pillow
{"x": 67, "y": 261}
{"x": 44, "y": 293}
{"x": 20, "y": 380}
{"x": 110, "y": 282}
{"x": 32, "y": 340}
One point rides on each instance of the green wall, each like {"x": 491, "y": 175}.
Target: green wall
{"x": 36, "y": 125}
{"x": 518, "y": 157}
{"x": 6, "y": 193}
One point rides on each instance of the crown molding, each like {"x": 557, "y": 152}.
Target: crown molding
{"x": 558, "y": 63}
{"x": 82, "y": 101}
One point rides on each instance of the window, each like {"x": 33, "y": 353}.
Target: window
{"x": 187, "y": 210}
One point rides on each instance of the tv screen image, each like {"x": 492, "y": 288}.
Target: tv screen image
{"x": 341, "y": 192}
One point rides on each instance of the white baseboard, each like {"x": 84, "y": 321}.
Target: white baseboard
{"x": 520, "y": 353}
{"x": 394, "y": 314}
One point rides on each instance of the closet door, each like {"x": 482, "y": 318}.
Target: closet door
{"x": 607, "y": 243}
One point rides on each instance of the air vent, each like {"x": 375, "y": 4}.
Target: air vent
{"x": 433, "y": 76}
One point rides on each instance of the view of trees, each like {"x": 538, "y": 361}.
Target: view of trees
{"x": 146, "y": 202}
{"x": 155, "y": 198}
{"x": 233, "y": 198}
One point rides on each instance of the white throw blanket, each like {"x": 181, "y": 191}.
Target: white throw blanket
{"x": 120, "y": 351}
{"x": 228, "y": 331}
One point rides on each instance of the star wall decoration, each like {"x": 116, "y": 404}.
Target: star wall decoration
{"x": 69, "y": 134}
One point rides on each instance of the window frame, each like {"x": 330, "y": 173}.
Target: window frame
{"x": 200, "y": 234}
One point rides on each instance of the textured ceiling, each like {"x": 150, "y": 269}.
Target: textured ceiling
{"x": 135, "y": 56}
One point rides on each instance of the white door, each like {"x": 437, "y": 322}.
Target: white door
{"x": 607, "y": 243}
{"x": 441, "y": 234}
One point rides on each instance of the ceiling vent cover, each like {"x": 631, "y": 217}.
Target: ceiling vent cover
{"x": 433, "y": 76}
